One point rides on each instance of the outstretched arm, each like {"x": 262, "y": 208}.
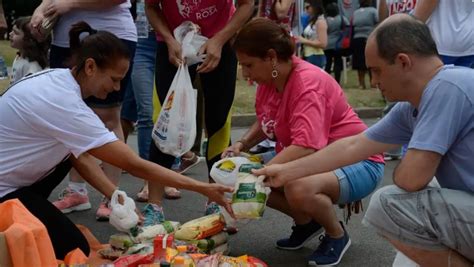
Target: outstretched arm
{"x": 341, "y": 153}
{"x": 120, "y": 155}
{"x": 86, "y": 165}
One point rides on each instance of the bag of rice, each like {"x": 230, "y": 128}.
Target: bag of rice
{"x": 250, "y": 195}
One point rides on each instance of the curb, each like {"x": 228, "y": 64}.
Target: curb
{"x": 246, "y": 120}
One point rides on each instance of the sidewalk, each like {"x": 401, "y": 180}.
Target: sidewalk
{"x": 256, "y": 238}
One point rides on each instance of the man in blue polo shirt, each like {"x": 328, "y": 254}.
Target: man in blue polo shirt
{"x": 435, "y": 117}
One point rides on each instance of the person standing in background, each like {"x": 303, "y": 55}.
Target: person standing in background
{"x": 452, "y": 25}
{"x": 32, "y": 55}
{"x": 218, "y": 20}
{"x": 314, "y": 38}
{"x": 112, "y": 16}
{"x": 387, "y": 8}
{"x": 363, "y": 21}
{"x": 335, "y": 22}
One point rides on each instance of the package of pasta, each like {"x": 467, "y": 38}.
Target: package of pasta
{"x": 250, "y": 195}
{"x": 201, "y": 228}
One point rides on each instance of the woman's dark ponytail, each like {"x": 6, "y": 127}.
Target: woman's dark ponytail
{"x": 75, "y": 34}
{"x": 102, "y": 46}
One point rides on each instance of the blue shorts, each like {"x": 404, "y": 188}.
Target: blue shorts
{"x": 358, "y": 180}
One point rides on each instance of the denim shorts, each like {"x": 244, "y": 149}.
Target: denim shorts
{"x": 358, "y": 180}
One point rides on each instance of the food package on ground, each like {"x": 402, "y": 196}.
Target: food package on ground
{"x": 121, "y": 241}
{"x": 225, "y": 170}
{"x": 254, "y": 262}
{"x": 133, "y": 260}
{"x": 211, "y": 242}
{"x": 160, "y": 243}
{"x": 148, "y": 233}
{"x": 209, "y": 261}
{"x": 250, "y": 195}
{"x": 201, "y": 228}
{"x": 139, "y": 249}
{"x": 110, "y": 253}
{"x": 226, "y": 261}
{"x": 224, "y": 249}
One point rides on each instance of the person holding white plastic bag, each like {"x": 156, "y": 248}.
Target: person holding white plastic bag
{"x": 218, "y": 20}
{"x": 46, "y": 128}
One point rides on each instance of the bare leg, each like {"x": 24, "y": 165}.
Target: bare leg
{"x": 314, "y": 196}
{"x": 361, "y": 75}
{"x": 127, "y": 127}
{"x": 432, "y": 258}
{"x": 277, "y": 200}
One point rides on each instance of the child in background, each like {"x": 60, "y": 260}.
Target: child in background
{"x": 32, "y": 54}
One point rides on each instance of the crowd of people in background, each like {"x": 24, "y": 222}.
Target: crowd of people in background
{"x": 109, "y": 62}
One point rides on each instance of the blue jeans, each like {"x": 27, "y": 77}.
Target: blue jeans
{"x": 317, "y": 60}
{"x": 141, "y": 111}
{"x": 466, "y": 61}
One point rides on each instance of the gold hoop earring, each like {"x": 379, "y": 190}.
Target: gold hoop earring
{"x": 274, "y": 71}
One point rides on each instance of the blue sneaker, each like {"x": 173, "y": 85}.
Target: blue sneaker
{"x": 153, "y": 214}
{"x": 301, "y": 234}
{"x": 330, "y": 251}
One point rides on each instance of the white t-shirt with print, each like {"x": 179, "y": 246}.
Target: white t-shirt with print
{"x": 43, "y": 119}
{"x": 22, "y": 67}
{"x": 452, "y": 27}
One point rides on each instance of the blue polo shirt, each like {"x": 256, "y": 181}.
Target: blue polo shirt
{"x": 443, "y": 123}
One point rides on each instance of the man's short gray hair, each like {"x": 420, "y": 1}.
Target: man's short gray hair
{"x": 404, "y": 35}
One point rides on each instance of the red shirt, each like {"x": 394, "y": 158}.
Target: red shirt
{"x": 311, "y": 112}
{"x": 210, "y": 15}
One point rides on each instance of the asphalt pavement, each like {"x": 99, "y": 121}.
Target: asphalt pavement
{"x": 256, "y": 238}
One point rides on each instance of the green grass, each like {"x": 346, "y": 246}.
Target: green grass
{"x": 245, "y": 94}
{"x": 7, "y": 52}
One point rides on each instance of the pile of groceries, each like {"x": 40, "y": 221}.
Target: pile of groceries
{"x": 199, "y": 242}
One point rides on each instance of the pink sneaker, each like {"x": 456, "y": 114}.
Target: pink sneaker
{"x": 104, "y": 210}
{"x": 70, "y": 201}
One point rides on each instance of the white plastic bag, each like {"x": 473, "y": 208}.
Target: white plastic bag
{"x": 123, "y": 217}
{"x": 225, "y": 170}
{"x": 188, "y": 35}
{"x": 175, "y": 129}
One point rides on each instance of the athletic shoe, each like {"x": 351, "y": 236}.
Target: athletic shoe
{"x": 153, "y": 214}
{"x": 70, "y": 201}
{"x": 330, "y": 251}
{"x": 103, "y": 212}
{"x": 301, "y": 234}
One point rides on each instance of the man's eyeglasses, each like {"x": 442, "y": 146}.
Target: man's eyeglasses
{"x": 307, "y": 7}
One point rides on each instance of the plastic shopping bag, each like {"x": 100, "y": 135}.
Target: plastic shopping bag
{"x": 175, "y": 129}
{"x": 188, "y": 35}
{"x": 123, "y": 217}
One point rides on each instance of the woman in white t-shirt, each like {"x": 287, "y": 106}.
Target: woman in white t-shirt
{"x": 113, "y": 16}
{"x": 32, "y": 54}
{"x": 46, "y": 128}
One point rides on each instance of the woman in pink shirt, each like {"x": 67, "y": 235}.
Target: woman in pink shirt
{"x": 218, "y": 20}
{"x": 303, "y": 109}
